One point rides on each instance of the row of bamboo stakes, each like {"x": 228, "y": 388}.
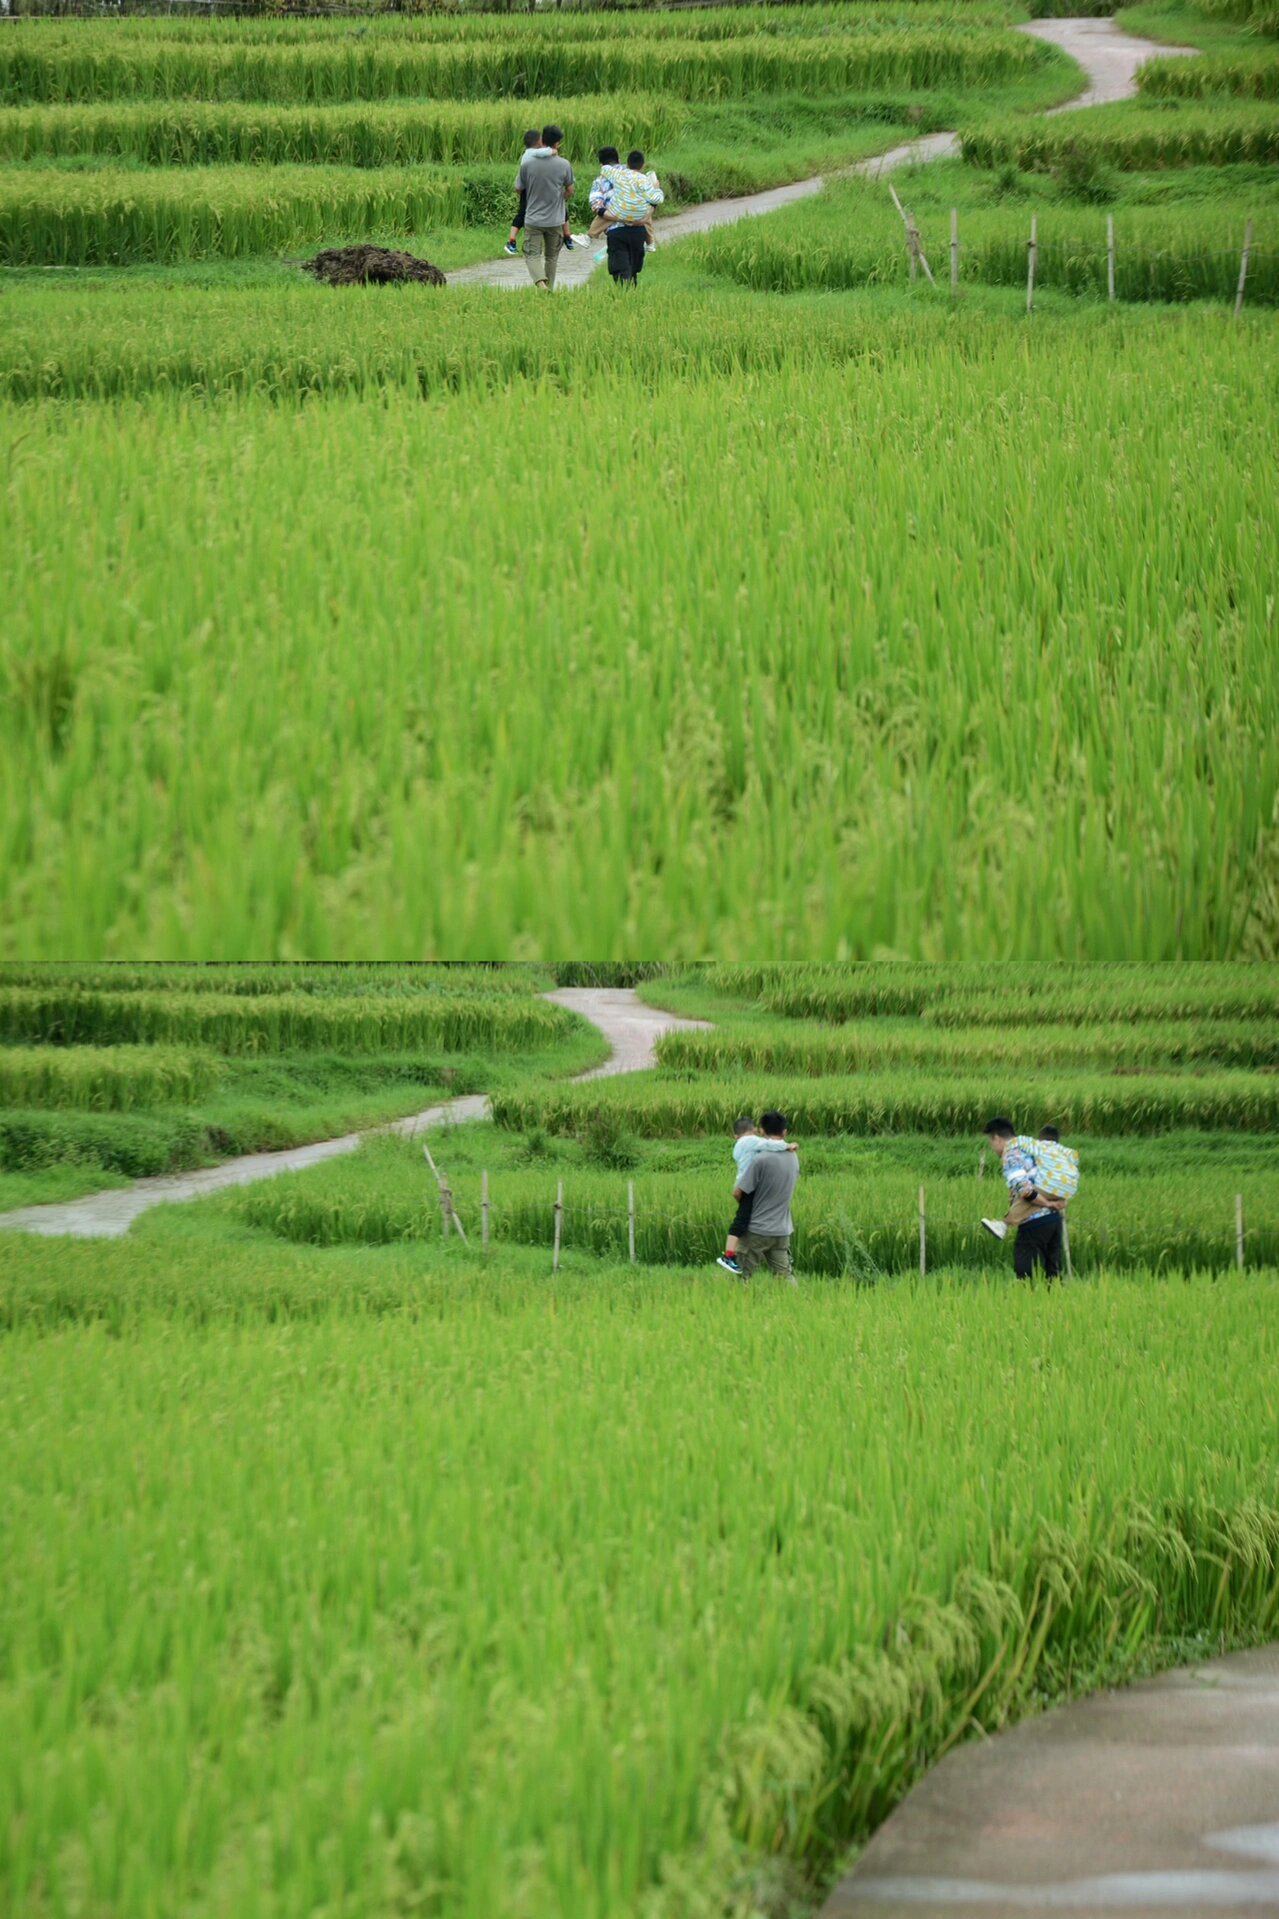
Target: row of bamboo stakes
{"x": 918, "y": 258}
{"x": 452, "y": 1220}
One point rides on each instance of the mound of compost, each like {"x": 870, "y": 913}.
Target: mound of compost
{"x": 370, "y": 266}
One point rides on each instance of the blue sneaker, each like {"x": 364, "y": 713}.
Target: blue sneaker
{"x": 510, "y": 247}
{"x": 569, "y": 242}
{"x": 729, "y": 1263}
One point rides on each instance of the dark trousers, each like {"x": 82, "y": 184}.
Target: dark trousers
{"x": 626, "y": 254}
{"x": 742, "y": 1217}
{"x": 1038, "y": 1242}
{"x": 518, "y": 221}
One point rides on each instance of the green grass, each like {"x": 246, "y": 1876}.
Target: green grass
{"x": 310, "y": 1556}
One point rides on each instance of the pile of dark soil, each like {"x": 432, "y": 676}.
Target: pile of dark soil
{"x": 370, "y": 266}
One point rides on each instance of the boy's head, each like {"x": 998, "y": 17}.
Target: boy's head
{"x": 635, "y": 159}
{"x": 998, "y": 1134}
{"x": 609, "y": 156}
{"x": 1049, "y": 1132}
{"x": 532, "y": 138}
{"x": 743, "y": 1126}
{"x": 551, "y": 136}
{"x": 772, "y": 1125}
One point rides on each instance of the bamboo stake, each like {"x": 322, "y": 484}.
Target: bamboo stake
{"x": 923, "y": 1237}
{"x": 913, "y": 240}
{"x": 1239, "y": 1231}
{"x": 630, "y": 1217}
{"x": 439, "y": 1190}
{"x": 484, "y": 1211}
{"x": 1031, "y": 255}
{"x": 451, "y": 1215}
{"x": 1243, "y": 268}
{"x": 954, "y": 249}
{"x": 1065, "y": 1247}
{"x": 559, "y": 1220}
{"x": 1110, "y": 256}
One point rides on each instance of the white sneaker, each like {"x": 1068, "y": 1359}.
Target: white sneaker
{"x": 997, "y": 1227}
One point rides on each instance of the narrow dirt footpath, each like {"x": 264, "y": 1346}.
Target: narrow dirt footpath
{"x": 1109, "y": 57}
{"x": 631, "y": 1028}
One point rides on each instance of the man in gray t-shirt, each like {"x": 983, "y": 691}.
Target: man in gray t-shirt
{"x": 771, "y": 1179}
{"x": 546, "y": 180}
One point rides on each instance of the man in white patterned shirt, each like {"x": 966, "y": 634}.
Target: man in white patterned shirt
{"x": 1039, "y": 1237}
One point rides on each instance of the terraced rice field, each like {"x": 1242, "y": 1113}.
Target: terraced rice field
{"x": 346, "y": 1567}
{"x": 904, "y": 569}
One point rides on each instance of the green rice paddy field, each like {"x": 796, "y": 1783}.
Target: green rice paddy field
{"x": 792, "y": 608}
{"x": 350, "y": 1569}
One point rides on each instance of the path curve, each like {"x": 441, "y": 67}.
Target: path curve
{"x": 1161, "y": 1799}
{"x": 631, "y": 1028}
{"x": 1108, "y": 56}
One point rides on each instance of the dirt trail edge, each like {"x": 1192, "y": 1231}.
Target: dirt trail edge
{"x": 1159, "y": 1799}
{"x": 1108, "y": 56}
{"x": 631, "y": 1028}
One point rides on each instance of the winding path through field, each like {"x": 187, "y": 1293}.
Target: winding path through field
{"x": 1162, "y": 1799}
{"x": 631, "y": 1028}
{"x": 1108, "y": 56}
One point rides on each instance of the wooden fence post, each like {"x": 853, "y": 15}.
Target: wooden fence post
{"x": 1031, "y": 255}
{"x": 447, "y": 1208}
{"x": 1239, "y": 1231}
{"x": 923, "y": 1237}
{"x": 484, "y": 1211}
{"x": 1243, "y": 268}
{"x": 954, "y": 249}
{"x": 630, "y": 1217}
{"x": 1110, "y": 256}
{"x": 559, "y": 1221}
{"x": 913, "y": 241}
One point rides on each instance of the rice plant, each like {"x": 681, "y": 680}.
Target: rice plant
{"x": 771, "y": 1046}
{"x": 391, "y": 762}
{"x": 1134, "y": 136}
{"x": 990, "y": 994}
{"x": 65, "y": 1016}
{"x": 163, "y": 134}
{"x": 1252, "y": 78}
{"x": 503, "y": 1597}
{"x": 898, "y": 1101}
{"x": 329, "y": 71}
{"x": 856, "y": 1211}
{"x": 81, "y": 219}
{"x": 105, "y": 1078}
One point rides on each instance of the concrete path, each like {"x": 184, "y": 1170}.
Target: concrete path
{"x": 1161, "y": 1799}
{"x": 631, "y": 1028}
{"x": 1109, "y": 57}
